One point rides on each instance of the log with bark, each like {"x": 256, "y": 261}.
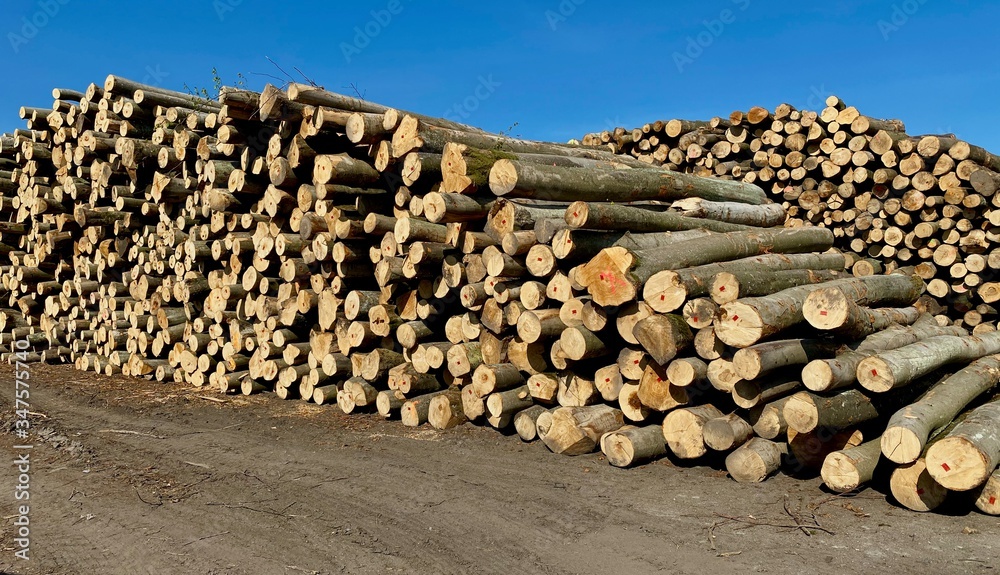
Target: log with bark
{"x": 970, "y": 453}
{"x": 616, "y": 275}
{"x": 909, "y": 429}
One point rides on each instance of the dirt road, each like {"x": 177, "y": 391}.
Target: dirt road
{"x": 137, "y": 477}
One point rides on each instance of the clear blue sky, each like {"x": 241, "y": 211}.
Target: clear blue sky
{"x": 557, "y": 69}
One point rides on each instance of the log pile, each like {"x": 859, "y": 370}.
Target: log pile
{"x": 892, "y": 199}
{"x": 314, "y": 246}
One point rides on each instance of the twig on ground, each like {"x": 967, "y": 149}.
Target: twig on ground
{"x": 205, "y": 537}
{"x": 794, "y": 517}
{"x": 755, "y": 523}
{"x": 128, "y": 432}
{"x": 137, "y": 494}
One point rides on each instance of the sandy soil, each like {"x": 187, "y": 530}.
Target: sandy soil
{"x": 137, "y": 477}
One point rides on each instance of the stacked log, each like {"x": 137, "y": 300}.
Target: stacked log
{"x": 314, "y": 246}
{"x": 892, "y": 200}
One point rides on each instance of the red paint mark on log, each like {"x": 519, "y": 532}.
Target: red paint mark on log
{"x": 993, "y": 500}
{"x": 920, "y": 491}
{"x": 574, "y": 312}
{"x": 822, "y": 312}
{"x": 736, "y": 318}
{"x": 722, "y": 288}
{"x": 945, "y": 467}
{"x": 695, "y": 319}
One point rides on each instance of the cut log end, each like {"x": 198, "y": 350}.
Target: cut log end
{"x": 914, "y": 488}
{"x": 957, "y": 464}
{"x": 901, "y": 445}
{"x": 826, "y": 308}
{"x": 755, "y": 460}
{"x": 989, "y": 498}
{"x": 606, "y": 277}
{"x": 683, "y": 430}
{"x": 577, "y": 214}
{"x": 633, "y": 445}
{"x": 875, "y": 374}
{"x": 802, "y": 413}
{"x": 739, "y": 325}
{"x": 664, "y": 292}
{"x": 817, "y": 375}
{"x": 503, "y": 177}
{"x": 840, "y": 473}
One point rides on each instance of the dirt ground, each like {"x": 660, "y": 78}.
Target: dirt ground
{"x": 130, "y": 476}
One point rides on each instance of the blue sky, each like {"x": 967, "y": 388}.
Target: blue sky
{"x": 555, "y": 68}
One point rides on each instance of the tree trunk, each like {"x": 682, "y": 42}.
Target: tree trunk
{"x": 687, "y": 371}
{"x": 615, "y": 275}
{"x": 633, "y": 445}
{"x": 726, "y": 286}
{"x": 580, "y": 343}
{"x": 417, "y": 133}
{"x": 522, "y": 180}
{"x": 911, "y": 483}
{"x": 472, "y": 405}
{"x": 760, "y": 216}
{"x": 596, "y": 216}
{"x": 525, "y": 422}
{"x": 755, "y": 460}
{"x": 448, "y": 207}
{"x": 728, "y": 432}
{"x": 771, "y": 422}
{"x": 806, "y": 412}
{"x": 849, "y": 469}
{"x": 841, "y": 371}
{"x": 899, "y": 367}
{"x": 744, "y": 322}
{"x": 577, "y": 430}
{"x": 508, "y": 403}
{"x": 683, "y": 430}
{"x": 909, "y": 429}
{"x": 489, "y": 379}
{"x": 445, "y": 410}
{"x": 389, "y": 403}
{"x": 663, "y": 336}
{"x": 544, "y": 387}
{"x": 989, "y": 498}
{"x": 572, "y": 245}
{"x": 914, "y": 488}
{"x": 414, "y": 412}
{"x": 763, "y": 358}
{"x": 667, "y": 290}
{"x": 576, "y": 391}
{"x": 830, "y": 307}
{"x": 464, "y": 358}
{"x": 749, "y": 394}
{"x": 629, "y": 403}
{"x": 970, "y": 453}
